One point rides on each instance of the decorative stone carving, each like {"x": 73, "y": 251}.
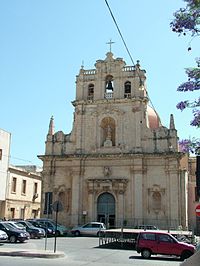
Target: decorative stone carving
{"x": 155, "y": 199}
{"x": 107, "y": 171}
{"x": 136, "y": 109}
{"x": 99, "y": 185}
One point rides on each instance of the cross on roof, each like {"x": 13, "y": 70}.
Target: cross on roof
{"x": 110, "y": 43}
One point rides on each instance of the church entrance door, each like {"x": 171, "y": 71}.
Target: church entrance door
{"x": 106, "y": 209}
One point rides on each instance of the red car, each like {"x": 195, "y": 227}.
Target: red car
{"x": 158, "y": 242}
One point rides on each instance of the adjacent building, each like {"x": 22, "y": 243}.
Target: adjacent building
{"x": 5, "y": 139}
{"x": 23, "y": 192}
{"x": 20, "y": 192}
{"x": 119, "y": 164}
{"x": 194, "y": 199}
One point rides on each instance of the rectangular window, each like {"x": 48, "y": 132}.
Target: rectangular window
{"x": 14, "y": 185}
{"x": 24, "y": 187}
{"x": 0, "y": 154}
{"x": 34, "y": 214}
{"x": 196, "y": 195}
{"x": 150, "y": 236}
{"x": 12, "y": 212}
{"x": 48, "y": 202}
{"x": 22, "y": 212}
{"x": 35, "y": 189}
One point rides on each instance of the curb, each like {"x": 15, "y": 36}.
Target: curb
{"x": 32, "y": 253}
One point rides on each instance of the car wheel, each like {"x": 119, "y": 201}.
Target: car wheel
{"x": 13, "y": 239}
{"x": 32, "y": 235}
{"x": 77, "y": 233}
{"x": 100, "y": 234}
{"x": 146, "y": 253}
{"x": 186, "y": 254}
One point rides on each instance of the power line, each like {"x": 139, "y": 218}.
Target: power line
{"x": 119, "y": 32}
{"x": 16, "y": 158}
{"x": 111, "y": 13}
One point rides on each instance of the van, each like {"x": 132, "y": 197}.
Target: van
{"x": 157, "y": 242}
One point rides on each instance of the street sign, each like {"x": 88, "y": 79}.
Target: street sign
{"x": 57, "y": 206}
{"x": 197, "y": 210}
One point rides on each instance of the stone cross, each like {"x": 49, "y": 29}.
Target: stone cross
{"x": 110, "y": 43}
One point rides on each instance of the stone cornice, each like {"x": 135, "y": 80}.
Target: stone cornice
{"x": 108, "y": 179}
{"x": 120, "y": 155}
{"x": 110, "y": 101}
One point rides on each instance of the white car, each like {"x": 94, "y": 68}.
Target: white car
{"x": 92, "y": 229}
{"x": 3, "y": 236}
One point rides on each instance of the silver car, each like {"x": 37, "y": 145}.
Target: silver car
{"x": 92, "y": 229}
{"x": 3, "y": 236}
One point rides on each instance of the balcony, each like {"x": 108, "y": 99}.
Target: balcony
{"x": 108, "y": 95}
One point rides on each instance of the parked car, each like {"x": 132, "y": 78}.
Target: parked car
{"x": 61, "y": 229}
{"x": 48, "y": 231}
{"x": 18, "y": 226}
{"x": 34, "y": 232}
{"x": 158, "y": 242}
{"x": 13, "y": 233}
{"x": 92, "y": 228}
{"x": 3, "y": 236}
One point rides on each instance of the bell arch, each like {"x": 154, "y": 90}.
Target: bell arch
{"x": 106, "y": 209}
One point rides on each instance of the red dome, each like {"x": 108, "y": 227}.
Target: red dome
{"x": 153, "y": 118}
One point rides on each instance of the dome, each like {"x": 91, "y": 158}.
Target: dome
{"x": 153, "y": 118}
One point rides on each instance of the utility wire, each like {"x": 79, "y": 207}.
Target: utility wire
{"x": 119, "y": 32}
{"x": 19, "y": 159}
{"x": 111, "y": 13}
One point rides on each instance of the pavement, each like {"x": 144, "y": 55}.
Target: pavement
{"x": 194, "y": 260}
{"x": 31, "y": 253}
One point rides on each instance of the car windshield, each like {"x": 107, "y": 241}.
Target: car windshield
{"x": 175, "y": 240}
{"x": 9, "y": 226}
{"x": 52, "y": 222}
{"x": 17, "y": 225}
{"x": 25, "y": 224}
{"x": 29, "y": 224}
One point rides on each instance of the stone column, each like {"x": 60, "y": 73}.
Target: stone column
{"x": 138, "y": 199}
{"x": 121, "y": 208}
{"x": 91, "y": 199}
{"x": 75, "y": 200}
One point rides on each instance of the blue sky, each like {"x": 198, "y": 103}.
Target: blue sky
{"x": 44, "y": 42}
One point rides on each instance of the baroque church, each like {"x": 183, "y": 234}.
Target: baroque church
{"x": 119, "y": 164}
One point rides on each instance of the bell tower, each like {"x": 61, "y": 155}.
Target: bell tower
{"x": 112, "y": 100}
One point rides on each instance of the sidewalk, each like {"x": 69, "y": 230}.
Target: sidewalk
{"x": 31, "y": 253}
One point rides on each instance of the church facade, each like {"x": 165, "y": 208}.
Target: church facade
{"x": 119, "y": 164}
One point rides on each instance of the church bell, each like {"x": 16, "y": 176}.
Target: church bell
{"x": 109, "y": 86}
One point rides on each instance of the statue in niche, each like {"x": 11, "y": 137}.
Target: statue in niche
{"x": 109, "y": 132}
{"x": 108, "y": 141}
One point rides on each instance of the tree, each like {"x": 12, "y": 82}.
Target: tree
{"x": 187, "y": 22}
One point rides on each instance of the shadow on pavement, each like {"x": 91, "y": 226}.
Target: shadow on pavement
{"x": 118, "y": 245}
{"x": 156, "y": 258}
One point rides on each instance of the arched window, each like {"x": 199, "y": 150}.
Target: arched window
{"x": 90, "y": 92}
{"x": 127, "y": 89}
{"x": 109, "y": 87}
{"x": 108, "y": 132}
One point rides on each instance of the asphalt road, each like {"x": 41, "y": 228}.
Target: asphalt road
{"x": 81, "y": 251}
